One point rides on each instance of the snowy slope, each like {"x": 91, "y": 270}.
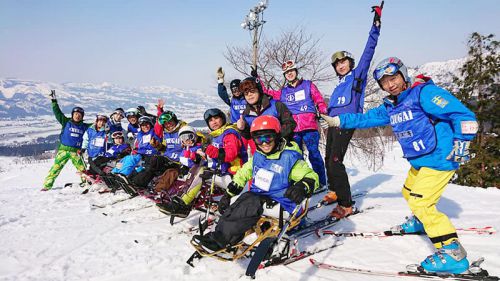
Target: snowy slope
{"x": 56, "y": 235}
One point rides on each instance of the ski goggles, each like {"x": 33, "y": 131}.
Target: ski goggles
{"x": 117, "y": 135}
{"x": 266, "y": 138}
{"x": 340, "y": 55}
{"x": 212, "y": 112}
{"x": 130, "y": 114}
{"x": 287, "y": 65}
{"x": 119, "y": 113}
{"x": 235, "y": 89}
{"x": 187, "y": 137}
{"x": 386, "y": 69}
{"x": 101, "y": 117}
{"x": 166, "y": 117}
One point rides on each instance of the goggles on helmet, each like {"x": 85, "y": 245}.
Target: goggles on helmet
{"x": 166, "y": 117}
{"x": 211, "y": 113}
{"x": 187, "y": 136}
{"x": 117, "y": 135}
{"x": 387, "y": 69}
{"x": 102, "y": 117}
{"x": 287, "y": 64}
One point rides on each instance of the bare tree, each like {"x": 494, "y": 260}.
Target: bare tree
{"x": 295, "y": 44}
{"x": 298, "y": 45}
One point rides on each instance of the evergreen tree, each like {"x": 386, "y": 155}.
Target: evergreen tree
{"x": 478, "y": 89}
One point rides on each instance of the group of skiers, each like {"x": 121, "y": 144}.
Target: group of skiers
{"x": 260, "y": 146}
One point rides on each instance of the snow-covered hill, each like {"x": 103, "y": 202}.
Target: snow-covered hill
{"x": 56, "y": 235}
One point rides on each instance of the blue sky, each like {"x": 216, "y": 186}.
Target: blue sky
{"x": 180, "y": 43}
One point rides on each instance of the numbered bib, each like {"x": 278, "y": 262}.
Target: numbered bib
{"x": 263, "y": 179}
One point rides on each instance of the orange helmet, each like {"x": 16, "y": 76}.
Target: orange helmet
{"x": 265, "y": 122}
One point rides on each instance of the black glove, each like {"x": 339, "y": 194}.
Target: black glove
{"x": 53, "y": 95}
{"x": 81, "y": 151}
{"x": 253, "y": 73}
{"x": 183, "y": 170}
{"x": 297, "y": 192}
{"x": 222, "y": 155}
{"x": 378, "y": 13}
{"x": 234, "y": 188}
{"x": 224, "y": 203}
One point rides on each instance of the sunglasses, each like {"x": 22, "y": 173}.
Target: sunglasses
{"x": 269, "y": 138}
{"x": 287, "y": 64}
{"x": 250, "y": 91}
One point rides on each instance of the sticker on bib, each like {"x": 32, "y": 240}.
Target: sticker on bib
{"x": 300, "y": 95}
{"x": 263, "y": 179}
{"x": 99, "y": 142}
{"x": 146, "y": 138}
{"x": 184, "y": 161}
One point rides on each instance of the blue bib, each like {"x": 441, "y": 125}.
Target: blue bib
{"x": 97, "y": 142}
{"x": 72, "y": 134}
{"x": 237, "y": 108}
{"x": 271, "y": 110}
{"x": 115, "y": 150}
{"x": 298, "y": 100}
{"x": 144, "y": 145}
{"x": 271, "y": 176}
{"x": 173, "y": 148}
{"x": 411, "y": 125}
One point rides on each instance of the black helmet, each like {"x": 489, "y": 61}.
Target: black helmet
{"x": 78, "y": 109}
{"x": 145, "y": 119}
{"x": 119, "y": 111}
{"x": 214, "y": 112}
{"x": 234, "y": 84}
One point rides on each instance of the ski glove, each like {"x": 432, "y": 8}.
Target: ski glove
{"x": 328, "y": 121}
{"x": 80, "y": 152}
{"x": 253, "y": 72}
{"x": 224, "y": 203}
{"x": 212, "y": 151}
{"x": 460, "y": 152}
{"x": 233, "y": 189}
{"x": 220, "y": 75}
{"x": 377, "y": 10}
{"x": 52, "y": 95}
{"x": 298, "y": 192}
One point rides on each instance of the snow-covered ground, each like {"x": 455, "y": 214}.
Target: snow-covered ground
{"x": 56, "y": 235}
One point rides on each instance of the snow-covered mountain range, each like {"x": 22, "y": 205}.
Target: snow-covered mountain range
{"x": 26, "y": 114}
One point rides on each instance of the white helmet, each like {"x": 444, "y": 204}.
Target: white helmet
{"x": 187, "y": 133}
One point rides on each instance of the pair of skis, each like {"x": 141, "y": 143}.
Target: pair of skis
{"x": 475, "y": 272}
{"x": 487, "y": 230}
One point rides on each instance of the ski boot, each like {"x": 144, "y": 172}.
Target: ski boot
{"x": 412, "y": 225}
{"x": 451, "y": 258}
{"x": 176, "y": 207}
{"x": 125, "y": 185}
{"x": 208, "y": 242}
{"x": 340, "y": 212}
{"x": 330, "y": 197}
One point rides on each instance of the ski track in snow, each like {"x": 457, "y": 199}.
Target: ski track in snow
{"x": 58, "y": 235}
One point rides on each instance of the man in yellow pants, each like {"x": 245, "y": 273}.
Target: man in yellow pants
{"x": 434, "y": 130}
